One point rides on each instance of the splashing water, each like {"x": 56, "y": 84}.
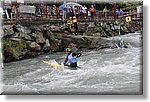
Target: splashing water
{"x": 107, "y": 71}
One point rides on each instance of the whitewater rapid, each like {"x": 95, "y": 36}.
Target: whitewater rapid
{"x": 107, "y": 71}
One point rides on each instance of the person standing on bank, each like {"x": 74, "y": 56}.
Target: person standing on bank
{"x": 75, "y": 24}
{"x": 70, "y": 24}
{"x": 105, "y": 12}
{"x": 71, "y": 59}
{"x": 92, "y": 11}
{"x": 119, "y": 12}
{"x": 84, "y": 12}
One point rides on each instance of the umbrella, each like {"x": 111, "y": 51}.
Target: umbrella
{"x": 65, "y": 6}
{"x": 74, "y": 4}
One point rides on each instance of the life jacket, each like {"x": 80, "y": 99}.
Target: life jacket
{"x": 69, "y": 22}
{"x": 72, "y": 59}
{"x": 75, "y": 20}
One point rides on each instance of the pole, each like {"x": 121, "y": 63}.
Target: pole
{"x": 115, "y": 10}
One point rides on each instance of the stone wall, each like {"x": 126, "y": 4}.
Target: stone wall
{"x": 24, "y": 41}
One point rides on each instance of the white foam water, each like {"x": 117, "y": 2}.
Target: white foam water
{"x": 107, "y": 71}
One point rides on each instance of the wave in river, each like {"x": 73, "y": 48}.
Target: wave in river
{"x": 107, "y": 71}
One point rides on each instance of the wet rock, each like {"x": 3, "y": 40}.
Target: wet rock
{"x": 16, "y": 39}
{"x": 8, "y": 31}
{"x": 55, "y": 37}
{"x": 39, "y": 38}
{"x": 36, "y": 28}
{"x": 14, "y": 54}
{"x": 65, "y": 42}
{"x": 90, "y": 42}
{"x": 14, "y": 49}
{"x": 18, "y": 28}
{"x": 124, "y": 29}
{"x": 92, "y": 24}
{"x": 33, "y": 35}
{"x": 33, "y": 46}
{"x": 74, "y": 47}
{"x": 98, "y": 31}
{"x": 56, "y": 45}
{"x": 100, "y": 43}
{"x": 55, "y": 28}
{"x": 15, "y": 35}
{"x": 83, "y": 27}
{"x": 48, "y": 35}
{"x": 47, "y": 47}
{"x": 24, "y": 36}
{"x": 27, "y": 30}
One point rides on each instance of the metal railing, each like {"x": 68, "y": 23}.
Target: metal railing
{"x": 28, "y": 12}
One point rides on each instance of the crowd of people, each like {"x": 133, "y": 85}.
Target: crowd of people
{"x": 10, "y": 11}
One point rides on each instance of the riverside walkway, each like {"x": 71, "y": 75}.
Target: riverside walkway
{"x": 45, "y": 20}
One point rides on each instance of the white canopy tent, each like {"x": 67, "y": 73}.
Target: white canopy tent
{"x": 69, "y": 5}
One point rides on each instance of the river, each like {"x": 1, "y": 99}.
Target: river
{"x": 106, "y": 71}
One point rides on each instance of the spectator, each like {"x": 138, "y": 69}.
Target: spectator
{"x": 54, "y": 11}
{"x": 8, "y": 11}
{"x": 75, "y": 24}
{"x": 77, "y": 12}
{"x": 105, "y": 12}
{"x": 69, "y": 24}
{"x": 119, "y": 12}
{"x": 58, "y": 12}
{"x": 1, "y": 12}
{"x": 92, "y": 11}
{"x": 14, "y": 11}
{"x": 139, "y": 10}
{"x": 7, "y": 8}
{"x": 37, "y": 10}
{"x": 84, "y": 11}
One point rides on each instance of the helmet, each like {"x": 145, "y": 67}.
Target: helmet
{"x": 70, "y": 17}
{"x": 74, "y": 17}
{"x": 68, "y": 50}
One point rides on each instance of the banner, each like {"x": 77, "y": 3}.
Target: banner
{"x": 26, "y": 9}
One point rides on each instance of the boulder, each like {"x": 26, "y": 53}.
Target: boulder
{"x": 13, "y": 54}
{"x": 98, "y": 31}
{"x": 48, "y": 35}
{"x": 74, "y": 47}
{"x": 100, "y": 43}
{"x": 124, "y": 29}
{"x": 8, "y": 31}
{"x": 27, "y": 30}
{"x": 55, "y": 28}
{"x": 33, "y": 35}
{"x": 15, "y": 35}
{"x": 39, "y": 38}
{"x": 24, "y": 36}
{"x": 33, "y": 46}
{"x": 14, "y": 49}
{"x": 82, "y": 27}
{"x": 47, "y": 47}
{"x": 89, "y": 42}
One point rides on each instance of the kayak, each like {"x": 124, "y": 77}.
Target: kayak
{"x": 54, "y": 64}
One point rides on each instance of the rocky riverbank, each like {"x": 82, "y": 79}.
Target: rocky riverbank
{"x": 26, "y": 41}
